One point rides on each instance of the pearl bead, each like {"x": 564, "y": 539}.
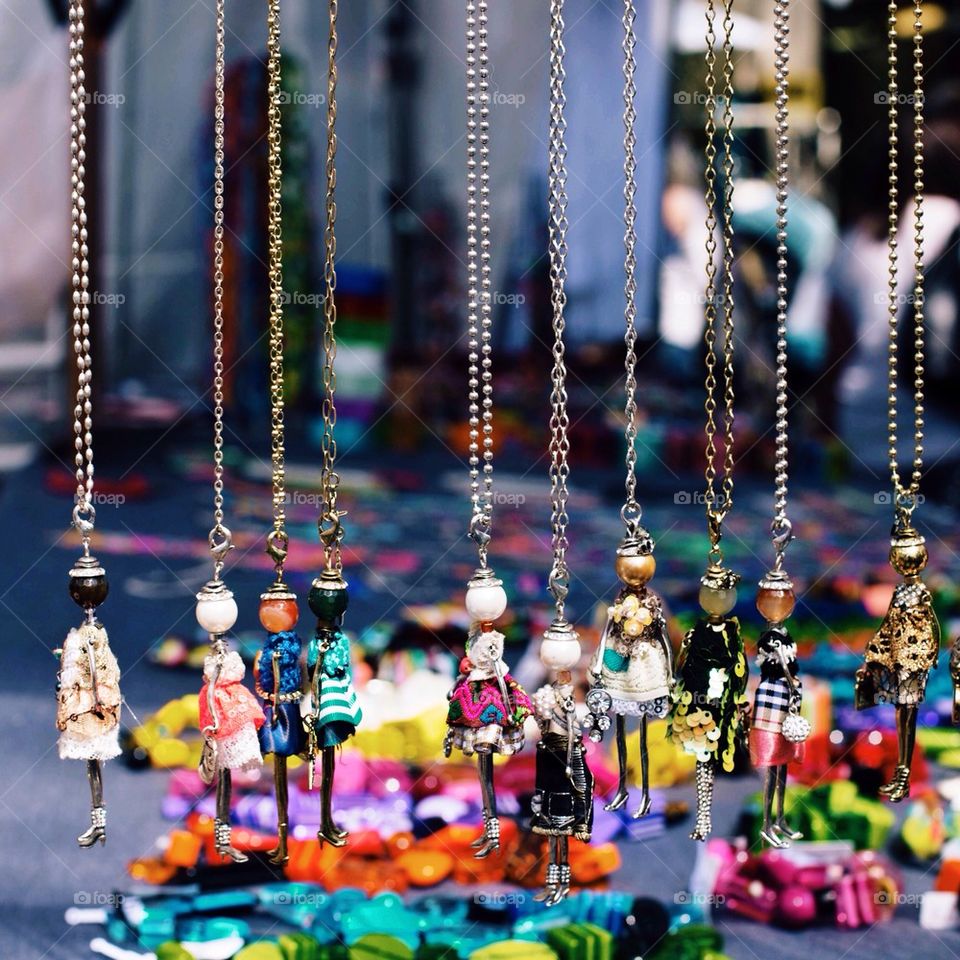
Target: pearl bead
{"x": 486, "y": 602}
{"x": 636, "y": 571}
{"x": 559, "y": 654}
{"x": 716, "y": 601}
{"x": 217, "y": 614}
{"x": 775, "y": 605}
{"x": 278, "y": 615}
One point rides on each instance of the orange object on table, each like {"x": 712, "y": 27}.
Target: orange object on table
{"x": 589, "y": 863}
{"x": 948, "y": 879}
{"x": 183, "y": 848}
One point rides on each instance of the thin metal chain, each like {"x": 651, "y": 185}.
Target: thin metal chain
{"x": 277, "y": 539}
{"x": 906, "y": 496}
{"x": 631, "y": 512}
{"x": 781, "y": 527}
{"x": 559, "y": 581}
{"x": 84, "y": 514}
{"x": 331, "y": 530}
{"x": 220, "y": 537}
{"x": 479, "y": 295}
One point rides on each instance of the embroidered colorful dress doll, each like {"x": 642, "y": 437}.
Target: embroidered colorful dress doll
{"x": 88, "y": 713}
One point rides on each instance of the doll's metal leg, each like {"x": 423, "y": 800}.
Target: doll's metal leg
{"x": 621, "y": 796}
{"x": 221, "y": 825}
{"x": 899, "y": 787}
{"x": 329, "y": 832}
{"x": 563, "y": 873}
{"x": 491, "y": 830}
{"x": 783, "y": 829}
{"x": 98, "y": 812}
{"x": 768, "y": 832}
{"x": 644, "y": 807}
{"x": 553, "y": 872}
{"x": 278, "y": 854}
{"x": 704, "y": 824}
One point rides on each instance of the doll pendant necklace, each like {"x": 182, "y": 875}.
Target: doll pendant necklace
{"x": 631, "y": 672}
{"x": 487, "y": 707}
{"x": 900, "y": 655}
{"x": 88, "y": 679}
{"x": 562, "y": 803}
{"x": 710, "y": 692}
{"x": 777, "y": 731}
{"x": 229, "y": 713}
{"x": 277, "y": 668}
{"x": 332, "y": 713}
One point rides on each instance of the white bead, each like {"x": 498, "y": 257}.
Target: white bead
{"x": 558, "y": 654}
{"x": 486, "y": 603}
{"x": 217, "y": 615}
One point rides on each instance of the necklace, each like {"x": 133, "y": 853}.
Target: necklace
{"x": 777, "y": 731}
{"x": 906, "y": 645}
{"x": 712, "y": 668}
{"x": 487, "y": 707}
{"x": 229, "y": 713}
{"x": 88, "y": 679}
{"x": 634, "y": 678}
{"x": 563, "y": 779}
{"x": 333, "y": 714}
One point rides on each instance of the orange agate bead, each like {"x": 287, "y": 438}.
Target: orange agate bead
{"x": 278, "y": 615}
{"x": 775, "y": 605}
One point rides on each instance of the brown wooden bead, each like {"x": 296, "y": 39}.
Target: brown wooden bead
{"x": 89, "y": 592}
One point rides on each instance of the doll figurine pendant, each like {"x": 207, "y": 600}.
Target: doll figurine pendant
{"x": 331, "y": 710}
{"x": 710, "y": 692}
{"x": 229, "y": 713}
{"x": 562, "y": 802}
{"x": 902, "y": 651}
{"x": 777, "y": 732}
{"x": 278, "y": 674}
{"x": 487, "y": 707}
{"x": 634, "y": 660}
{"x": 88, "y": 692}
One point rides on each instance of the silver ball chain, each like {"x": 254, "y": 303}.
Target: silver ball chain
{"x": 559, "y": 580}
{"x": 220, "y": 538}
{"x": 479, "y": 314}
{"x": 631, "y": 511}
{"x": 906, "y": 497}
{"x": 84, "y": 514}
{"x": 781, "y": 527}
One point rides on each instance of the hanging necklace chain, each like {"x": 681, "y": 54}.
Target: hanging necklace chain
{"x": 631, "y": 511}
{"x": 329, "y": 526}
{"x": 719, "y": 504}
{"x": 906, "y": 496}
{"x": 220, "y": 536}
{"x": 277, "y": 539}
{"x": 479, "y": 313}
{"x": 781, "y": 528}
{"x": 84, "y": 514}
{"x": 559, "y": 581}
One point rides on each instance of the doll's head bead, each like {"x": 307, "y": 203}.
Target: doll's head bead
{"x": 718, "y": 591}
{"x": 216, "y": 609}
{"x": 328, "y": 596}
{"x": 908, "y": 552}
{"x": 278, "y": 609}
{"x": 775, "y": 597}
{"x": 486, "y": 599}
{"x": 560, "y": 646}
{"x": 88, "y": 583}
{"x": 635, "y": 563}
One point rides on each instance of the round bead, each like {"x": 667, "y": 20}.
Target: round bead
{"x": 637, "y": 570}
{"x": 908, "y": 559}
{"x": 559, "y": 654}
{"x": 775, "y": 605}
{"x": 89, "y": 592}
{"x": 717, "y": 601}
{"x": 486, "y": 602}
{"x": 327, "y": 603}
{"x": 278, "y": 616}
{"x": 217, "y": 614}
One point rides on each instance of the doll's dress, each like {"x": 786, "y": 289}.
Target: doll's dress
{"x": 238, "y": 712}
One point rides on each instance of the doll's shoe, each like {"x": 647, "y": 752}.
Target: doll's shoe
{"x": 900, "y": 784}
{"x": 98, "y": 828}
{"x": 618, "y": 801}
{"x": 223, "y": 844}
{"x": 482, "y": 839}
{"x": 644, "y": 808}
{"x": 773, "y": 839}
{"x": 492, "y": 840}
{"x": 562, "y": 889}
{"x": 550, "y": 888}
{"x": 332, "y": 834}
{"x": 278, "y": 854}
{"x": 784, "y": 830}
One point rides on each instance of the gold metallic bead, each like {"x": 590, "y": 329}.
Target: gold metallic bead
{"x": 908, "y": 557}
{"x": 636, "y": 570}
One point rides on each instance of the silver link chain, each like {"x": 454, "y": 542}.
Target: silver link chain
{"x": 84, "y": 514}
{"x": 559, "y": 580}
{"x": 479, "y": 294}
